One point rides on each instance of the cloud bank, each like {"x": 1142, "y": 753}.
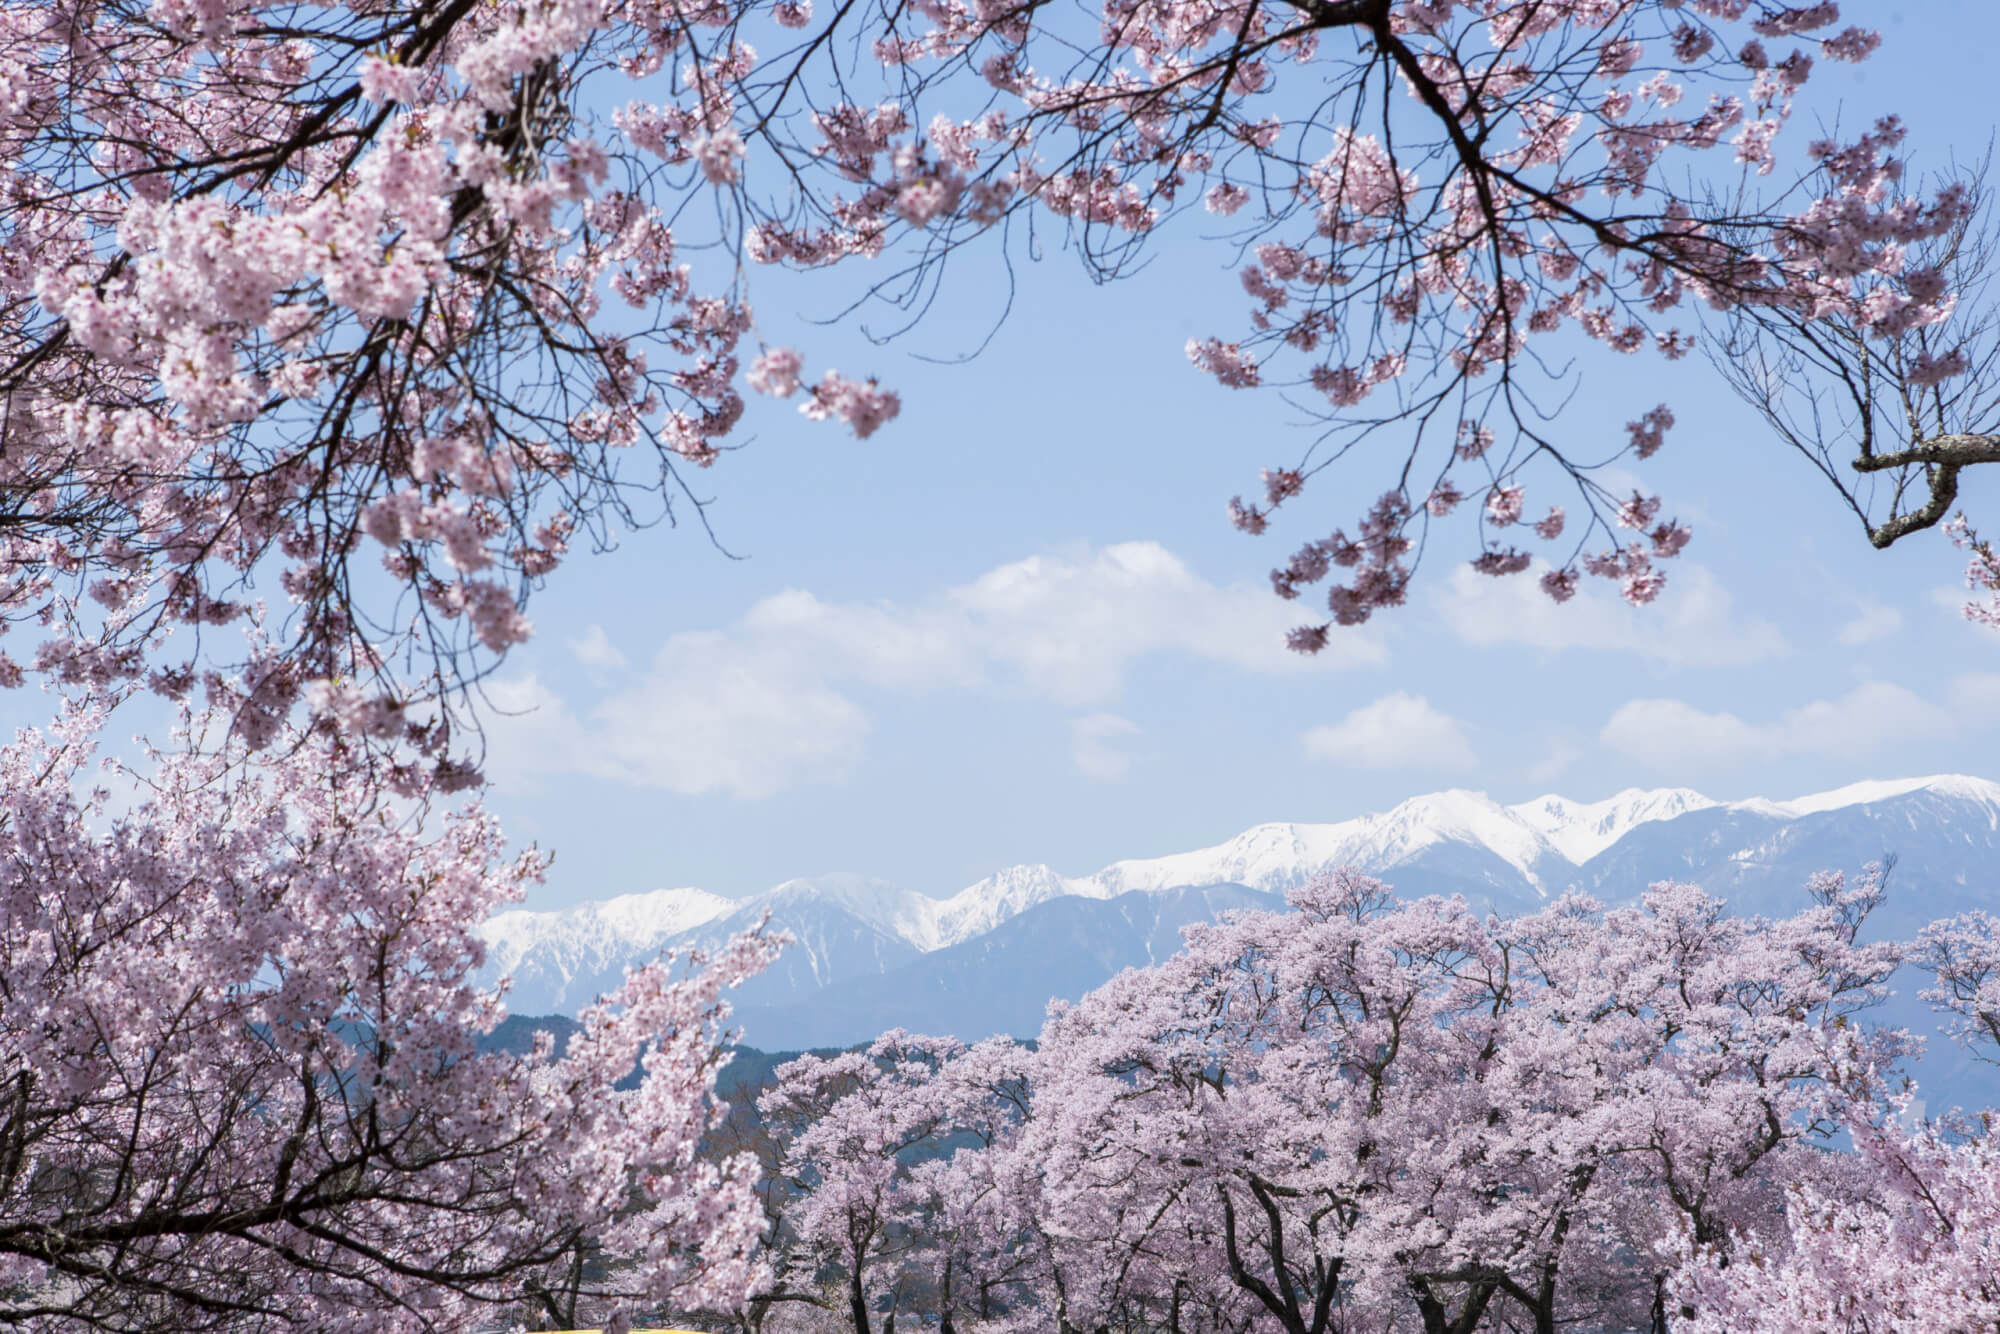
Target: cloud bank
{"x": 769, "y": 703}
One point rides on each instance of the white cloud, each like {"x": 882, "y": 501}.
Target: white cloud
{"x": 1093, "y": 742}
{"x": 1071, "y": 625}
{"x": 882, "y": 644}
{"x": 1692, "y": 624}
{"x": 1671, "y": 734}
{"x": 762, "y": 706}
{"x": 531, "y": 733}
{"x": 1674, "y": 736}
{"x": 1874, "y": 621}
{"x": 1954, "y": 599}
{"x": 595, "y": 649}
{"x": 1398, "y": 731}
{"x": 1975, "y": 697}
{"x": 704, "y": 719}
{"x": 715, "y": 715}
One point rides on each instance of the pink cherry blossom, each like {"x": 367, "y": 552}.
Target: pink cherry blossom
{"x": 246, "y": 1007}
{"x": 776, "y": 372}
{"x": 244, "y": 336}
{"x": 1503, "y": 506}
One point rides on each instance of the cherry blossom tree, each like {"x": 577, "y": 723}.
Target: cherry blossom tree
{"x": 386, "y": 305}
{"x": 243, "y": 1088}
{"x": 969, "y": 1221}
{"x": 849, "y": 1128}
{"x": 1903, "y": 1235}
{"x": 885, "y": 1192}
{"x": 1369, "y": 1115}
{"x": 389, "y": 304}
{"x": 1362, "y": 1113}
{"x": 1962, "y": 955}
{"x": 316, "y": 295}
{"x": 790, "y": 1296}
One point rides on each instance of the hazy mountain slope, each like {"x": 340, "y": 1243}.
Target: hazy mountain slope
{"x": 1001, "y": 982}
{"x": 831, "y": 943}
{"x": 1945, "y": 838}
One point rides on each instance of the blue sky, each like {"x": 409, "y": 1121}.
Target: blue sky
{"x": 1014, "y": 626}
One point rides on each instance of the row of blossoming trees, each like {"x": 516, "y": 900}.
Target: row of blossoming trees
{"x": 1363, "y": 1114}
{"x": 327, "y": 328}
{"x": 244, "y": 1091}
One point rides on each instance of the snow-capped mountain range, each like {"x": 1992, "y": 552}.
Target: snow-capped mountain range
{"x": 870, "y": 954}
{"x": 1269, "y": 857}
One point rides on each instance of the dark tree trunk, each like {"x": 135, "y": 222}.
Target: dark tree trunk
{"x": 857, "y": 1304}
{"x": 1437, "y": 1320}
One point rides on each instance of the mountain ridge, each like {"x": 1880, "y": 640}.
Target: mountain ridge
{"x": 853, "y": 928}
{"x": 1576, "y": 831}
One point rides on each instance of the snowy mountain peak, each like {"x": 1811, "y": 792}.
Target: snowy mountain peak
{"x": 1580, "y": 830}
{"x": 1457, "y": 816}
{"x": 1277, "y": 856}
{"x": 864, "y": 895}
{"x": 664, "y": 910}
{"x": 1269, "y": 856}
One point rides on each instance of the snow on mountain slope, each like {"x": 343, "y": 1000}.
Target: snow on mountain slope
{"x": 1449, "y": 817}
{"x": 1581, "y": 830}
{"x": 562, "y": 959}
{"x": 1007, "y": 893}
{"x": 840, "y": 926}
{"x": 1277, "y": 856}
{"x": 630, "y": 921}
{"x": 887, "y": 907}
{"x": 1958, "y": 786}
{"x": 921, "y": 921}
{"x": 1269, "y": 856}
